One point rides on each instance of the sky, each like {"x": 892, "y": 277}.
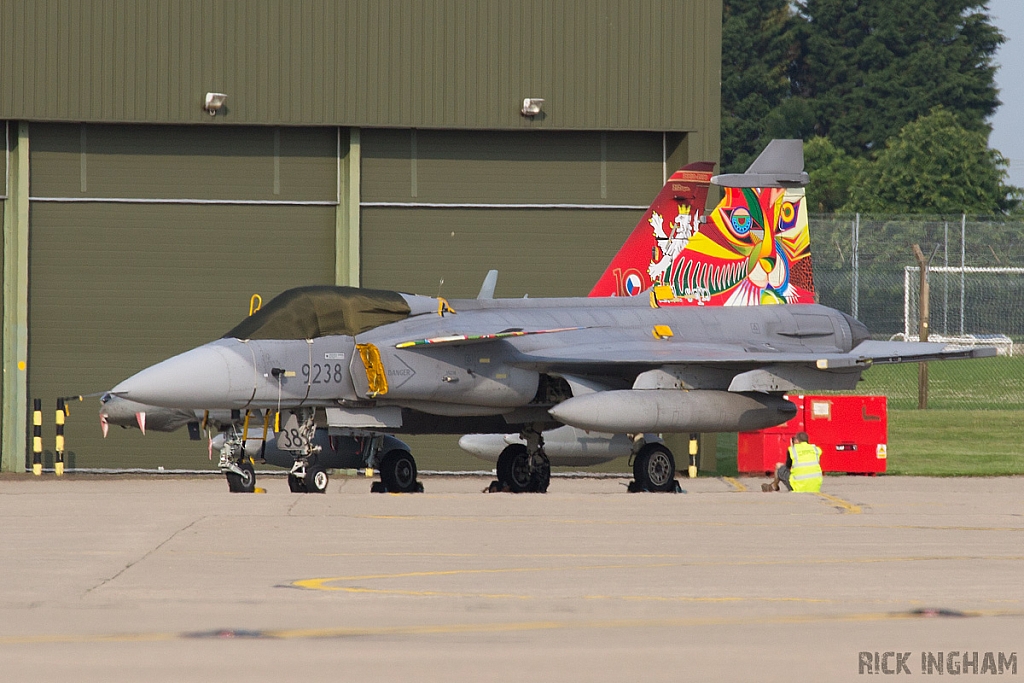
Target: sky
{"x": 1008, "y": 121}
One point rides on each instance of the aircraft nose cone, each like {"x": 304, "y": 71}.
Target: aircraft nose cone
{"x": 216, "y": 375}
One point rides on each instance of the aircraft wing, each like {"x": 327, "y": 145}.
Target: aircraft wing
{"x": 885, "y": 352}
{"x": 656, "y": 353}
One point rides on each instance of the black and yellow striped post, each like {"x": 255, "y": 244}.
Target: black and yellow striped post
{"x": 58, "y": 458}
{"x": 37, "y": 436}
{"x": 694, "y": 447}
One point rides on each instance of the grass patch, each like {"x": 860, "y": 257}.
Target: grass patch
{"x": 956, "y": 442}
{"x": 983, "y": 384}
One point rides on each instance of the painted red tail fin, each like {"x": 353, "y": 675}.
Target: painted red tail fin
{"x": 751, "y": 249}
{"x": 678, "y": 209}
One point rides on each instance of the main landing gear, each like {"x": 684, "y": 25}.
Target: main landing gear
{"x": 397, "y": 473}
{"x": 523, "y": 468}
{"x": 654, "y": 470}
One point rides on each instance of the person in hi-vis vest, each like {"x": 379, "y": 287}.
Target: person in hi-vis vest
{"x": 802, "y": 470}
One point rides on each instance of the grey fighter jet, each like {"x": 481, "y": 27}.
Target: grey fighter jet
{"x": 655, "y": 357}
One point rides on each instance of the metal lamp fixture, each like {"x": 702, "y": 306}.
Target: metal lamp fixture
{"x": 532, "y": 106}
{"x": 214, "y": 101}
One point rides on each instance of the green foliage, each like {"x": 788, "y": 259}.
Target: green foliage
{"x": 833, "y": 172}
{"x": 868, "y": 68}
{"x": 855, "y": 74}
{"x": 934, "y": 166}
{"x": 757, "y": 51}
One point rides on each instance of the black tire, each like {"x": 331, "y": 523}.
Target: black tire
{"x": 244, "y": 482}
{"x": 514, "y": 468}
{"x": 247, "y": 481}
{"x": 654, "y": 468}
{"x": 296, "y": 485}
{"x": 398, "y": 472}
{"x": 316, "y": 479}
{"x": 540, "y": 477}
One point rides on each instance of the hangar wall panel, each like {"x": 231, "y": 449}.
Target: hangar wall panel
{"x": 116, "y": 287}
{"x": 543, "y": 251}
{"x": 599, "y": 64}
{"x": 173, "y": 162}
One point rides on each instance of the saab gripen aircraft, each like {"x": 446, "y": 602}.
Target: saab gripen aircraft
{"x": 227, "y": 432}
{"x": 651, "y": 352}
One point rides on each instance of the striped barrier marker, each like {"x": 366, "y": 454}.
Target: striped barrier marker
{"x": 37, "y": 436}
{"x": 58, "y": 461}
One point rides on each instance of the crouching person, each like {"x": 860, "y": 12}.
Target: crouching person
{"x": 802, "y": 470}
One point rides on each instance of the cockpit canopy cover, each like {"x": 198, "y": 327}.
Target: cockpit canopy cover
{"x": 319, "y": 310}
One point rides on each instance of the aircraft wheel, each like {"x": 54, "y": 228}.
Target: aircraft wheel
{"x": 316, "y": 479}
{"x": 296, "y": 485}
{"x": 514, "y": 468}
{"x": 398, "y": 472}
{"x": 244, "y": 482}
{"x": 654, "y": 468}
{"x": 541, "y": 475}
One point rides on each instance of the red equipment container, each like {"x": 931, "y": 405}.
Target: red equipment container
{"x": 852, "y": 432}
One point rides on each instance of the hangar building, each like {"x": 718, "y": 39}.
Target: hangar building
{"x": 380, "y": 143}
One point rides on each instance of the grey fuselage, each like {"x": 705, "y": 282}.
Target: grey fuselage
{"x": 462, "y": 385}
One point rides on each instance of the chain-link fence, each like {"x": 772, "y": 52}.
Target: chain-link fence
{"x": 866, "y": 267}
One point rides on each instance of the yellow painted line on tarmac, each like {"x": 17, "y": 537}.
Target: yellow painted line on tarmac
{"x": 520, "y": 556}
{"x": 330, "y": 583}
{"x": 501, "y": 627}
{"x": 698, "y": 598}
{"x": 736, "y": 484}
{"x": 847, "y": 506}
{"x": 321, "y": 583}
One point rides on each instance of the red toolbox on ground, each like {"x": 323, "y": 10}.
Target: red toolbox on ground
{"x": 852, "y": 432}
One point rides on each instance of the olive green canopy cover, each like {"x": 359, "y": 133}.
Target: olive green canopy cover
{"x": 319, "y": 310}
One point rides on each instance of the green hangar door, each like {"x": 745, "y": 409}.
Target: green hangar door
{"x": 146, "y": 241}
{"x": 547, "y": 209}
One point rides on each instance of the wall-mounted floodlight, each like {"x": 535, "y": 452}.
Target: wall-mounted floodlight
{"x": 214, "y": 101}
{"x": 531, "y": 106}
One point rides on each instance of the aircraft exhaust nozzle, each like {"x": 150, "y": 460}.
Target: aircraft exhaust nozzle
{"x": 661, "y": 410}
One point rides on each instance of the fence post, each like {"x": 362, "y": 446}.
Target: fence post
{"x": 855, "y": 264}
{"x": 963, "y": 264}
{"x": 922, "y": 305}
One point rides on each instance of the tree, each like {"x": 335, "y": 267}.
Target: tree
{"x": 833, "y": 173}
{"x": 758, "y": 48}
{"x": 867, "y": 68}
{"x": 934, "y": 166}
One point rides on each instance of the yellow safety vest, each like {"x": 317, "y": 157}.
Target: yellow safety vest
{"x": 805, "y": 475}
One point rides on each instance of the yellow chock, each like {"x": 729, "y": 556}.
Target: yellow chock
{"x": 259, "y": 490}
{"x": 368, "y": 472}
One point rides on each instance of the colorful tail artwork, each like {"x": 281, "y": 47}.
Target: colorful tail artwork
{"x": 753, "y": 249}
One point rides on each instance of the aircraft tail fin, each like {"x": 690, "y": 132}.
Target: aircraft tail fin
{"x": 678, "y": 207}
{"x": 751, "y": 249}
